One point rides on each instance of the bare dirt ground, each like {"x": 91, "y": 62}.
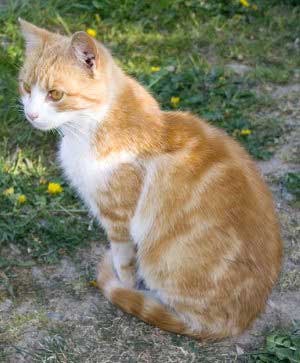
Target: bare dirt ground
{"x": 52, "y": 314}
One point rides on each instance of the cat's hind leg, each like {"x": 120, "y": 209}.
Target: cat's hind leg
{"x": 133, "y": 301}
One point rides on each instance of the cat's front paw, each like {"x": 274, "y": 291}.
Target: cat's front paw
{"x": 127, "y": 274}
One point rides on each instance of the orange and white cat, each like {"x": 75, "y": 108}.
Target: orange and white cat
{"x": 183, "y": 205}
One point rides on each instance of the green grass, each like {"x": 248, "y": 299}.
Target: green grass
{"x": 291, "y": 181}
{"x": 54, "y": 348}
{"x": 280, "y": 347}
{"x": 46, "y": 225}
{"x": 190, "y": 43}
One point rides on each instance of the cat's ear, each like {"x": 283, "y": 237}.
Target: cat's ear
{"x": 85, "y": 50}
{"x": 33, "y": 35}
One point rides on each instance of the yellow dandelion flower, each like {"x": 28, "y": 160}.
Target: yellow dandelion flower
{"x": 91, "y": 32}
{"x": 246, "y": 132}
{"x": 54, "y": 188}
{"x": 22, "y": 198}
{"x": 154, "y": 69}
{"x": 93, "y": 283}
{"x": 254, "y": 7}
{"x": 9, "y": 191}
{"x": 245, "y": 3}
{"x": 5, "y": 169}
{"x": 175, "y": 101}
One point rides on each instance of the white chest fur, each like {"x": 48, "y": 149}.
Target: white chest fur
{"x": 87, "y": 173}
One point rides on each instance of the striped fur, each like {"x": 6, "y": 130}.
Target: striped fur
{"x": 182, "y": 203}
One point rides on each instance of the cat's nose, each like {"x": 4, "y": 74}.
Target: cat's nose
{"x": 33, "y": 115}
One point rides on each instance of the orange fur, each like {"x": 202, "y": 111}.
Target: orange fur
{"x": 192, "y": 202}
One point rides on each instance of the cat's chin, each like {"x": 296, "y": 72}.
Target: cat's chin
{"x": 44, "y": 126}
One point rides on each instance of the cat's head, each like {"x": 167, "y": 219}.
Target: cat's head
{"x": 63, "y": 79}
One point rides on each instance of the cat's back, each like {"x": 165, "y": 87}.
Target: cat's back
{"x": 219, "y": 170}
{"x": 209, "y": 149}
{"x": 184, "y": 128}
{"x": 209, "y": 175}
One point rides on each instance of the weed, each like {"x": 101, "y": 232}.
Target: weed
{"x": 291, "y": 181}
{"x": 280, "y": 347}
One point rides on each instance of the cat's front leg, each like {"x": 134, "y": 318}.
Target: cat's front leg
{"x": 116, "y": 224}
{"x": 122, "y": 247}
{"x": 117, "y": 204}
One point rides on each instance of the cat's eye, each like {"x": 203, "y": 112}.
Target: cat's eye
{"x": 27, "y": 87}
{"x": 55, "y": 95}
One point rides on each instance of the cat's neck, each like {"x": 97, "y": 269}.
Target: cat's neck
{"x": 128, "y": 122}
{"x": 83, "y": 127}
{"x": 133, "y": 124}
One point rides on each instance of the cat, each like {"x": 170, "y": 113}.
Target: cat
{"x": 183, "y": 206}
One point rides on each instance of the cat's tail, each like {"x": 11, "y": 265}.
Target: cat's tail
{"x": 136, "y": 302}
{"x": 139, "y": 303}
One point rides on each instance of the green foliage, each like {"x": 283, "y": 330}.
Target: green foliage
{"x": 291, "y": 182}
{"x": 46, "y": 225}
{"x": 54, "y": 348}
{"x": 280, "y": 348}
{"x": 284, "y": 2}
{"x": 168, "y": 10}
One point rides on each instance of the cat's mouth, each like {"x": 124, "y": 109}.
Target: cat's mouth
{"x": 38, "y": 124}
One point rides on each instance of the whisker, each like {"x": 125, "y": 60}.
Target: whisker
{"x": 76, "y": 130}
{"x": 67, "y": 128}
{"x": 58, "y": 131}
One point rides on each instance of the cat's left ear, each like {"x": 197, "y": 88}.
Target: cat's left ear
{"x": 85, "y": 50}
{"x": 33, "y": 35}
